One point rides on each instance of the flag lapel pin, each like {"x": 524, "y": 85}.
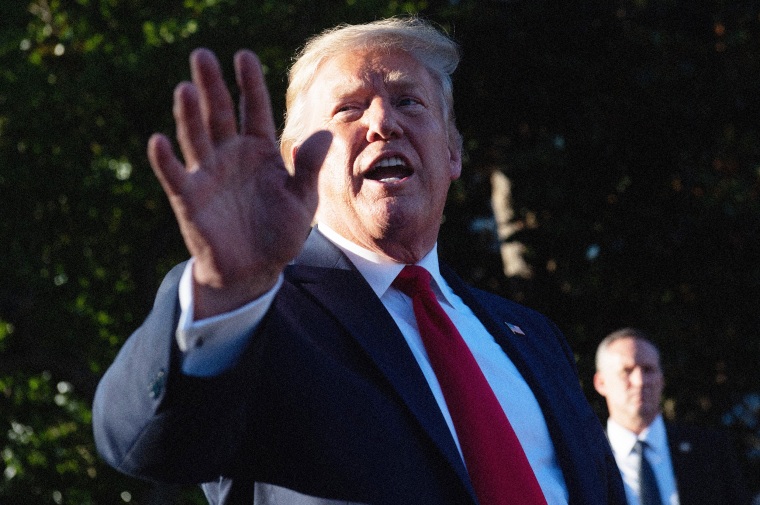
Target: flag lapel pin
{"x": 515, "y": 329}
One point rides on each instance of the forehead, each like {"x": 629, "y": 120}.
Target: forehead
{"x": 353, "y": 70}
{"x": 631, "y": 351}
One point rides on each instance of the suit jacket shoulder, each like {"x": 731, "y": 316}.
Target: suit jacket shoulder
{"x": 705, "y": 466}
{"x": 327, "y": 400}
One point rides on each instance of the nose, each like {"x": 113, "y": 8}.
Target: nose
{"x": 382, "y": 122}
{"x": 637, "y": 376}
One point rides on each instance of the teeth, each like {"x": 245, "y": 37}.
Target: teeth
{"x": 389, "y": 170}
{"x": 389, "y": 162}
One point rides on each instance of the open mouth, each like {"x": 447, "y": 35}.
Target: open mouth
{"x": 389, "y": 170}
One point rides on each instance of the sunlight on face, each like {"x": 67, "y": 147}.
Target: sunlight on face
{"x": 631, "y": 380}
{"x": 384, "y": 180}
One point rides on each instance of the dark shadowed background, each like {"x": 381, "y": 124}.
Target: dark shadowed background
{"x": 612, "y": 179}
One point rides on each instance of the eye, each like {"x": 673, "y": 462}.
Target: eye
{"x": 408, "y": 101}
{"x": 347, "y": 111}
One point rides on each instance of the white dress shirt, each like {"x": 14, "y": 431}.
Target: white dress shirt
{"x": 224, "y": 336}
{"x": 658, "y": 455}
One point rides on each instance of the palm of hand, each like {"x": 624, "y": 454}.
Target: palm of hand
{"x": 242, "y": 215}
{"x": 239, "y": 212}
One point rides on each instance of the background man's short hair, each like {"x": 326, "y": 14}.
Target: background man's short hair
{"x": 622, "y": 333}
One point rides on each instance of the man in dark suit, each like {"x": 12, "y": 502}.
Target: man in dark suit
{"x": 277, "y": 368}
{"x": 691, "y": 465}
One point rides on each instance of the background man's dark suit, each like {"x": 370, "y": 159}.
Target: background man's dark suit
{"x": 327, "y": 400}
{"x": 705, "y": 467}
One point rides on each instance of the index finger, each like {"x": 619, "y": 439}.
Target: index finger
{"x": 255, "y": 106}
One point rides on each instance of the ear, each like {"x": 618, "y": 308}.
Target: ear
{"x": 599, "y": 384}
{"x": 455, "y": 156}
{"x": 290, "y": 161}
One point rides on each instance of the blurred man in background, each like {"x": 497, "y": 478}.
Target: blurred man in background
{"x": 661, "y": 463}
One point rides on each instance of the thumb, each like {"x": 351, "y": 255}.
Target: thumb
{"x": 307, "y": 161}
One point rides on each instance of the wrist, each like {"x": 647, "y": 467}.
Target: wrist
{"x": 216, "y": 294}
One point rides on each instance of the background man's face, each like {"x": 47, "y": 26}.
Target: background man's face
{"x": 631, "y": 380}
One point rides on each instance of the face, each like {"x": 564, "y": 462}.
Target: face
{"x": 630, "y": 379}
{"x": 385, "y": 177}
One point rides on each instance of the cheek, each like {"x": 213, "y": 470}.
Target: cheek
{"x": 333, "y": 171}
{"x": 330, "y": 188}
{"x": 622, "y": 389}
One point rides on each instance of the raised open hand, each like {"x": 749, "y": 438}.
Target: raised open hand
{"x": 242, "y": 215}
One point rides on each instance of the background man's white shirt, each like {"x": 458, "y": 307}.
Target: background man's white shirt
{"x": 622, "y": 442}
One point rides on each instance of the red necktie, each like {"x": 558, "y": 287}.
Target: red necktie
{"x": 496, "y": 462}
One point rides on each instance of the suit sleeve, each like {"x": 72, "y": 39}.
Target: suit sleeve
{"x": 148, "y": 417}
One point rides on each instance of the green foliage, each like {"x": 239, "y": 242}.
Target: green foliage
{"x": 87, "y": 232}
{"x": 629, "y": 132}
{"x": 48, "y": 454}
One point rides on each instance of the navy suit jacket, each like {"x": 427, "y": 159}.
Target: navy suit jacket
{"x": 327, "y": 403}
{"x": 705, "y": 466}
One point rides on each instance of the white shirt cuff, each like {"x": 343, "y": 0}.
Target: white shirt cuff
{"x": 212, "y": 345}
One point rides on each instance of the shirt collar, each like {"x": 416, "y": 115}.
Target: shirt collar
{"x": 655, "y": 436}
{"x": 622, "y": 440}
{"x": 380, "y": 271}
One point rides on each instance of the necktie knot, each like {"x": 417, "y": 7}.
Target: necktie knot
{"x": 413, "y": 280}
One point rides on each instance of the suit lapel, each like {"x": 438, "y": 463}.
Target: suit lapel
{"x": 536, "y": 369}
{"x": 330, "y": 277}
{"x": 680, "y": 449}
{"x": 520, "y": 350}
{"x": 514, "y": 348}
